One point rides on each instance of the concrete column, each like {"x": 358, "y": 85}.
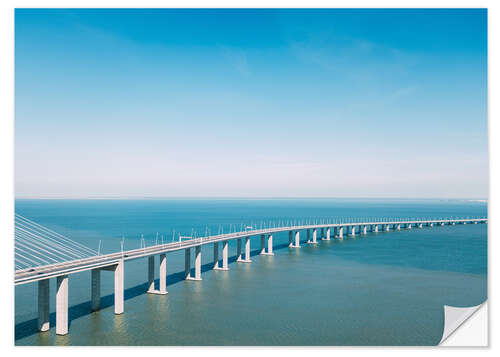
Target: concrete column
{"x": 247, "y": 249}
{"x": 246, "y": 259}
{"x": 187, "y": 263}
{"x": 197, "y": 262}
{"x": 398, "y": 227}
{"x": 327, "y": 237}
{"x": 431, "y": 224}
{"x": 297, "y": 239}
{"x": 238, "y": 252}
{"x": 225, "y": 255}
{"x": 409, "y": 225}
{"x": 290, "y": 243}
{"x": 119, "y": 287}
{"x": 353, "y": 230}
{"x": 43, "y": 305}
{"x": 262, "y": 244}
{"x": 387, "y": 228}
{"x": 151, "y": 274}
{"x": 96, "y": 289}
{"x": 442, "y": 223}
{"x": 216, "y": 255}
{"x": 376, "y": 228}
{"x": 420, "y": 225}
{"x": 364, "y": 229}
{"x": 270, "y": 244}
{"x": 314, "y": 236}
{"x": 341, "y": 232}
{"x": 163, "y": 274}
{"x": 62, "y": 305}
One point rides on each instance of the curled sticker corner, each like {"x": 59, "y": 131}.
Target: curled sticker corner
{"x": 454, "y": 317}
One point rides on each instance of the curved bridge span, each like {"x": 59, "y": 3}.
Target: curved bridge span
{"x": 115, "y": 262}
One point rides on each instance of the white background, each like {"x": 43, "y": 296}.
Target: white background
{"x": 471, "y": 333}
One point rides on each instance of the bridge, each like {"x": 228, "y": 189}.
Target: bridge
{"x": 42, "y": 254}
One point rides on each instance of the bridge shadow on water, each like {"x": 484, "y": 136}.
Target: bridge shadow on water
{"x": 30, "y": 327}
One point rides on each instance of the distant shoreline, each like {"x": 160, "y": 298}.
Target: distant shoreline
{"x": 256, "y": 198}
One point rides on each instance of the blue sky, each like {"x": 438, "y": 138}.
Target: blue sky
{"x": 251, "y": 103}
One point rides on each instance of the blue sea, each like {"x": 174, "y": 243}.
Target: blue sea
{"x": 384, "y": 288}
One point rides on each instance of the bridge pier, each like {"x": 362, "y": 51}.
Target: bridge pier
{"x": 262, "y": 244}
{"x": 341, "y": 232}
{"x": 197, "y": 263}
{"x": 119, "y": 287}
{"x": 376, "y": 228}
{"x": 216, "y": 256}
{"x": 398, "y": 227}
{"x": 353, "y": 231}
{"x": 327, "y": 234}
{"x": 269, "y": 246}
{"x": 118, "y": 270}
{"x": 95, "y": 289}
{"x": 364, "y": 230}
{"x": 62, "y": 305}
{"x": 297, "y": 240}
{"x": 420, "y": 225}
{"x": 247, "y": 251}
{"x": 224, "y": 256}
{"x": 43, "y": 305}
{"x": 431, "y": 224}
{"x": 187, "y": 263}
{"x": 238, "y": 250}
{"x": 151, "y": 273}
{"x": 387, "y": 228}
{"x": 314, "y": 236}
{"x": 163, "y": 275}
{"x": 408, "y": 226}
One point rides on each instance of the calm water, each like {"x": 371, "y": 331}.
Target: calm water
{"x": 379, "y": 289}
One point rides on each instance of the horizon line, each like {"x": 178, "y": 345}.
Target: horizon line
{"x": 477, "y": 199}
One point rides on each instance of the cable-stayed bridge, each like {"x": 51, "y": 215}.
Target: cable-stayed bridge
{"x": 42, "y": 254}
{"x": 36, "y": 245}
